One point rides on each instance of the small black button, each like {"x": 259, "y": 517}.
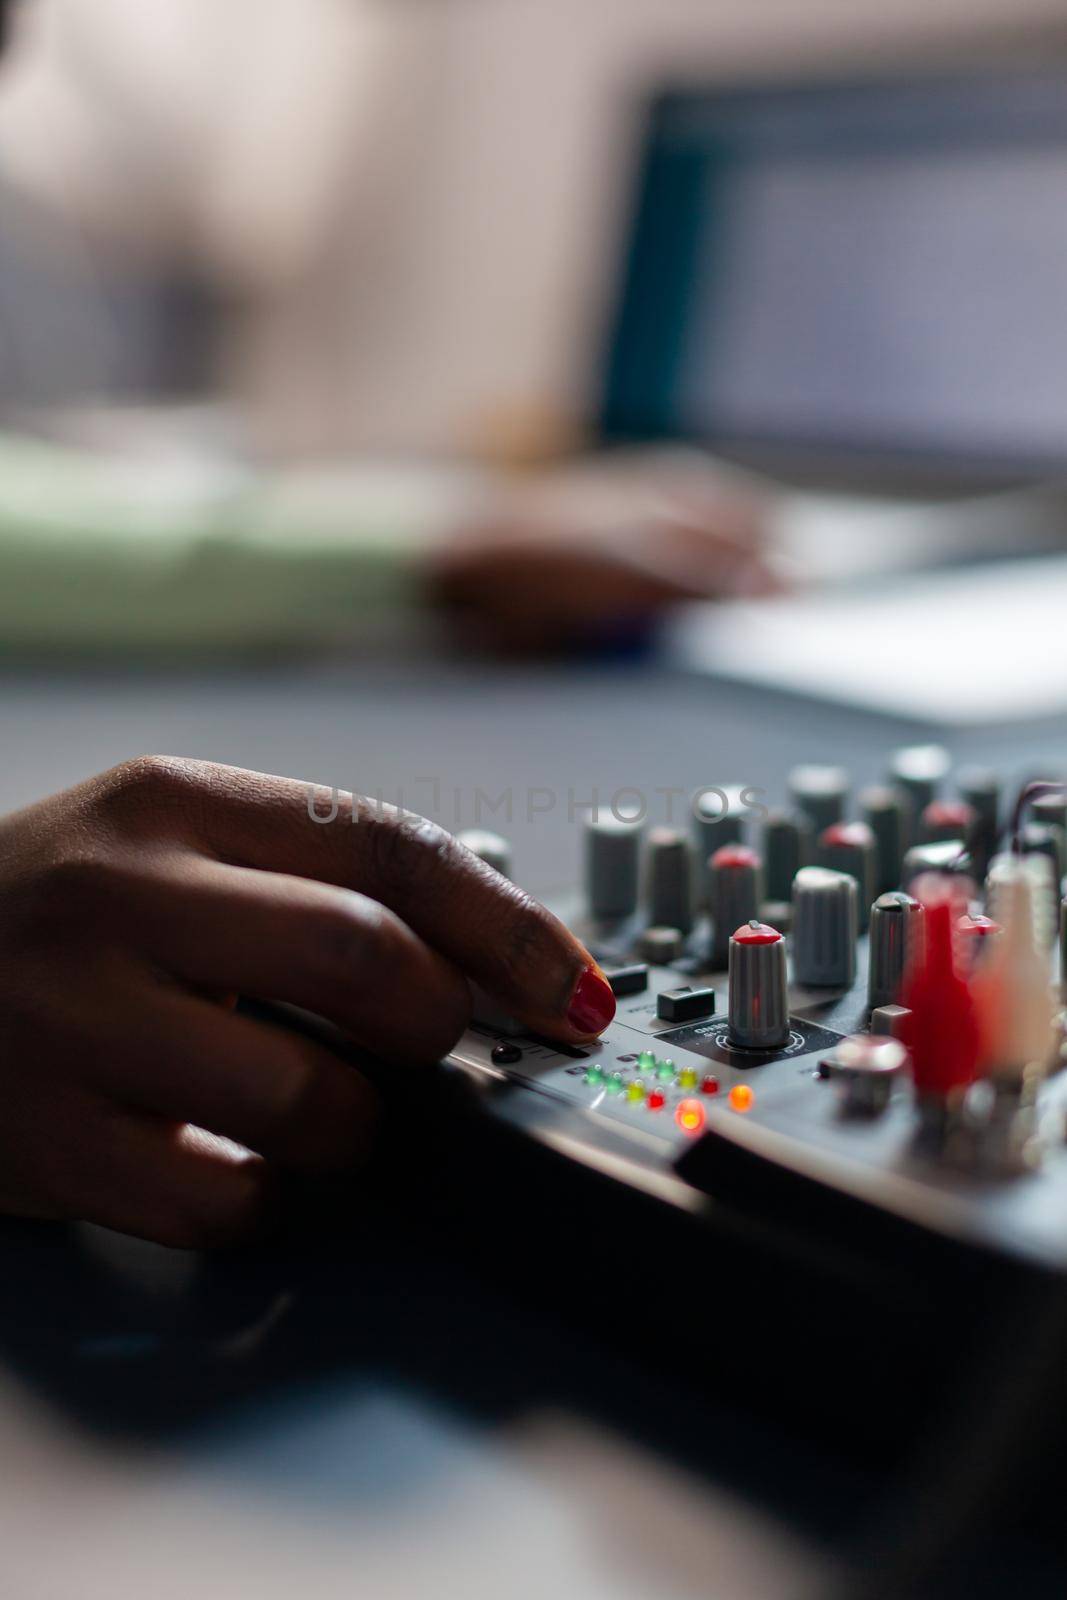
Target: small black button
{"x": 505, "y": 1055}
{"x": 685, "y": 1005}
{"x": 627, "y": 980}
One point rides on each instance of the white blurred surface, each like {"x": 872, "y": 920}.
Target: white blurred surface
{"x": 548, "y": 1508}
{"x": 962, "y": 646}
{"x": 420, "y": 205}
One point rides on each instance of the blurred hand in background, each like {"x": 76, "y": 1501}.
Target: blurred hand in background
{"x": 579, "y": 556}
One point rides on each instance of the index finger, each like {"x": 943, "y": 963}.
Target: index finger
{"x": 497, "y": 934}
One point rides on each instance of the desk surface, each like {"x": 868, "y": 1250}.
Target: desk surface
{"x": 360, "y": 1416}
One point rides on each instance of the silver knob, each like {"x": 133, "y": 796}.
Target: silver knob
{"x": 670, "y": 890}
{"x": 491, "y": 848}
{"x": 850, "y": 847}
{"x": 896, "y": 921}
{"x": 820, "y": 793}
{"x": 759, "y": 996}
{"x": 825, "y": 928}
{"x": 612, "y": 848}
{"x": 866, "y": 1067}
{"x": 734, "y": 894}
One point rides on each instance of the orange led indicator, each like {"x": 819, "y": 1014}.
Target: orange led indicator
{"x": 689, "y": 1116}
{"x": 741, "y": 1097}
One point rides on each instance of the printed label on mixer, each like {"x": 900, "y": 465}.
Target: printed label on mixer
{"x": 710, "y": 1039}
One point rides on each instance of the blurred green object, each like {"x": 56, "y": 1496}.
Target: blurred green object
{"x": 101, "y": 554}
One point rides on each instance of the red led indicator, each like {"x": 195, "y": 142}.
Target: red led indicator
{"x": 710, "y": 1085}
{"x": 656, "y": 1100}
{"x": 689, "y": 1116}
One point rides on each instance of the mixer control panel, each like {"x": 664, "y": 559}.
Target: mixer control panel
{"x": 864, "y": 993}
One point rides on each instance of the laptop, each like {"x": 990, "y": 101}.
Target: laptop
{"x": 859, "y": 288}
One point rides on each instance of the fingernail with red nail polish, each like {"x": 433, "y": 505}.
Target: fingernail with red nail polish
{"x": 592, "y": 1003}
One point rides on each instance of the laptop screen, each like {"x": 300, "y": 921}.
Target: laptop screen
{"x": 877, "y": 270}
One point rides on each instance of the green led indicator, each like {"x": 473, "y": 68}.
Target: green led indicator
{"x": 613, "y": 1084}
{"x": 665, "y": 1069}
{"x": 646, "y": 1061}
{"x": 594, "y": 1076}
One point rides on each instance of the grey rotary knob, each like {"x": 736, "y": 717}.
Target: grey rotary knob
{"x": 491, "y": 848}
{"x": 949, "y": 857}
{"x": 866, "y": 1067}
{"x": 976, "y": 937}
{"x": 885, "y": 813}
{"x": 670, "y": 889}
{"x": 896, "y": 924}
{"x": 759, "y": 996}
{"x": 825, "y": 927}
{"x": 718, "y": 819}
{"x": 821, "y": 793}
{"x": 735, "y": 889}
{"x": 850, "y": 847}
{"x": 786, "y": 846}
{"x": 612, "y": 848}
{"x": 918, "y": 771}
{"x": 980, "y": 788}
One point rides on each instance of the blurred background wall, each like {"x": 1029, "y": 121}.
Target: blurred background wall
{"x": 370, "y": 225}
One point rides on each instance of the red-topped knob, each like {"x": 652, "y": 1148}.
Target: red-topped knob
{"x": 735, "y": 889}
{"x": 759, "y": 998}
{"x": 975, "y": 926}
{"x": 756, "y": 933}
{"x": 947, "y": 819}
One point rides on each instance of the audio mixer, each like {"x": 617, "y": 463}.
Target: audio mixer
{"x": 856, "y": 1000}
{"x": 815, "y": 1169}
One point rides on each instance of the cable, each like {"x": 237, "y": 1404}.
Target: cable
{"x": 1031, "y": 791}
